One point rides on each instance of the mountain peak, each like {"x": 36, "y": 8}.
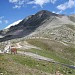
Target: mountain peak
{"x": 44, "y": 12}
{"x": 47, "y": 13}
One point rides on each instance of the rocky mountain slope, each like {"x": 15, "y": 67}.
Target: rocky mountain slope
{"x": 43, "y": 24}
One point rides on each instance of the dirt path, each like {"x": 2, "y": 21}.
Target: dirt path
{"x": 36, "y": 56}
{"x": 26, "y": 46}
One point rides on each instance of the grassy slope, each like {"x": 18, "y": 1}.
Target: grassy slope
{"x": 20, "y": 65}
{"x": 53, "y": 50}
{"x": 23, "y": 65}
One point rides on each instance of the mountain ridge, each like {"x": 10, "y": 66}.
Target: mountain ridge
{"x": 43, "y": 23}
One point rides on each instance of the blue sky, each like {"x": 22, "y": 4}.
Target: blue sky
{"x": 13, "y": 10}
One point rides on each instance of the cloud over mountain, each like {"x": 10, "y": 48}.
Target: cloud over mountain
{"x": 13, "y": 24}
{"x": 21, "y": 3}
{"x": 66, "y": 5}
{"x": 41, "y": 2}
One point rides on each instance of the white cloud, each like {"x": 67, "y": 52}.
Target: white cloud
{"x": 13, "y": 1}
{"x": 18, "y": 3}
{"x": 21, "y": 3}
{"x": 56, "y": 12}
{"x": 53, "y": 1}
{"x": 3, "y": 20}
{"x": 41, "y": 2}
{"x": 17, "y": 6}
{"x": 66, "y": 5}
{"x": 53, "y": 12}
{"x": 13, "y": 24}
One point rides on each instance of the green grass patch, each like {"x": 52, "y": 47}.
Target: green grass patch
{"x": 51, "y": 55}
{"x": 70, "y": 53}
{"x": 31, "y": 63}
{"x": 47, "y": 51}
{"x": 41, "y": 65}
